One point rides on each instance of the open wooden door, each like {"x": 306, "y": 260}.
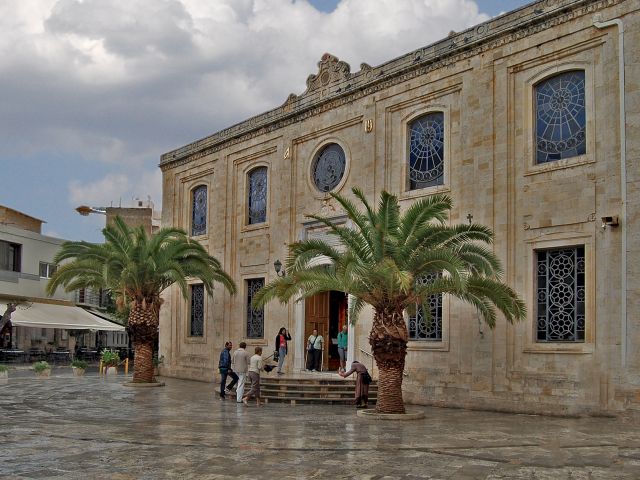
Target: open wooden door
{"x": 316, "y": 316}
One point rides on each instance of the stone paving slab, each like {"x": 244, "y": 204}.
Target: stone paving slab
{"x": 69, "y": 427}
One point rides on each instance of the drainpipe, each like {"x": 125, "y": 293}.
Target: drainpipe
{"x": 623, "y": 180}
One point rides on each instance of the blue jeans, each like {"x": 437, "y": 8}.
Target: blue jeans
{"x": 223, "y": 380}
{"x": 282, "y": 352}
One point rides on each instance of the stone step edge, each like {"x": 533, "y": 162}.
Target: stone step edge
{"x": 302, "y": 390}
{"x": 309, "y": 384}
{"x": 309, "y": 387}
{"x": 302, "y": 393}
{"x": 312, "y": 399}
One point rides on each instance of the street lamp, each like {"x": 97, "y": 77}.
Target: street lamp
{"x": 277, "y": 265}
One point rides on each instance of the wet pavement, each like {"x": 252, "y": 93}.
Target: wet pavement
{"x": 84, "y": 428}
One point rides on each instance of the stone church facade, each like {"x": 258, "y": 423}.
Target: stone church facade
{"x": 530, "y": 122}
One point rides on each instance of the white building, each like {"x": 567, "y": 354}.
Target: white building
{"x": 40, "y": 323}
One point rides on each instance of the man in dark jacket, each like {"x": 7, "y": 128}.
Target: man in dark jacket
{"x": 224, "y": 367}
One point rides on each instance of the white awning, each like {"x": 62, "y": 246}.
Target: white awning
{"x": 46, "y": 315}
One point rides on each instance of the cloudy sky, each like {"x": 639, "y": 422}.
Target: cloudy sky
{"x": 92, "y": 92}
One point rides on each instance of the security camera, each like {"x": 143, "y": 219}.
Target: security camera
{"x": 611, "y": 221}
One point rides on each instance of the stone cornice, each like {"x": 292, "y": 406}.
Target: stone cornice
{"x": 334, "y": 85}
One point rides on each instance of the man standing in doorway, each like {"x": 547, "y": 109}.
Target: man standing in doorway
{"x": 343, "y": 345}
{"x": 240, "y": 365}
{"x": 315, "y": 344}
{"x": 224, "y": 367}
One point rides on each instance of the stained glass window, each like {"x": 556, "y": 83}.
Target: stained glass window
{"x": 257, "y": 195}
{"x": 197, "y": 311}
{"x": 560, "y": 117}
{"x": 328, "y": 167}
{"x": 255, "y": 317}
{"x": 421, "y": 327}
{"x": 561, "y": 295}
{"x": 199, "y": 211}
{"x": 426, "y": 151}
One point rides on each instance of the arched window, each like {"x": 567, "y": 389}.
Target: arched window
{"x": 328, "y": 167}
{"x": 199, "y": 210}
{"x": 257, "y": 196}
{"x": 426, "y": 151}
{"x": 560, "y": 117}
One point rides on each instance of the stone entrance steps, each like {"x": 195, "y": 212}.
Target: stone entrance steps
{"x": 309, "y": 390}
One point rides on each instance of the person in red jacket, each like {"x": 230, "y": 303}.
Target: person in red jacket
{"x": 281, "y": 347}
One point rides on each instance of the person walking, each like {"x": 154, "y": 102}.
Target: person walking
{"x": 362, "y": 383}
{"x": 281, "y": 347}
{"x": 343, "y": 345}
{"x": 224, "y": 367}
{"x": 315, "y": 344}
{"x": 255, "y": 367}
{"x": 240, "y": 365}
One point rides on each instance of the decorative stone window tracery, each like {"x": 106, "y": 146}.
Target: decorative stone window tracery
{"x": 420, "y": 326}
{"x": 328, "y": 167}
{"x": 560, "y": 295}
{"x": 560, "y": 117}
{"x": 199, "y": 211}
{"x": 255, "y": 317}
{"x": 426, "y": 151}
{"x": 196, "y": 326}
{"x": 257, "y": 196}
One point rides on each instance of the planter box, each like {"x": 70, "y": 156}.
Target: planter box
{"x": 4, "y": 375}
{"x": 78, "y": 372}
{"x": 44, "y": 373}
{"x": 111, "y": 371}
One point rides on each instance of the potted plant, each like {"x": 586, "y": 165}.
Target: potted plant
{"x": 79, "y": 367}
{"x": 42, "y": 369}
{"x": 110, "y": 361}
{"x": 4, "y": 372}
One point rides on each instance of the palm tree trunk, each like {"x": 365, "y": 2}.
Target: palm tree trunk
{"x": 143, "y": 329}
{"x": 388, "y": 340}
{"x": 390, "y": 390}
{"x": 4, "y": 319}
{"x": 143, "y": 362}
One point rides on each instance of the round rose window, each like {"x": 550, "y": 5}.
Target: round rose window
{"x": 328, "y": 167}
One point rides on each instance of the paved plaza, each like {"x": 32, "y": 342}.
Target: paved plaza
{"x": 85, "y": 428}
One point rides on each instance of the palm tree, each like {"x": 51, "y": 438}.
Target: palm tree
{"x": 136, "y": 268}
{"x": 384, "y": 254}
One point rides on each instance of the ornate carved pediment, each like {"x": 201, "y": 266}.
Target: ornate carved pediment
{"x": 330, "y": 71}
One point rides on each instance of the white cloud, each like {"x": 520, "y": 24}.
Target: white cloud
{"x": 117, "y": 83}
{"x": 117, "y": 189}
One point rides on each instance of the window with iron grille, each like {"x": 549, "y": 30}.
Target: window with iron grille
{"x": 560, "y": 283}
{"x": 197, "y": 311}
{"x": 420, "y": 326}
{"x": 255, "y": 316}
{"x": 426, "y": 151}
{"x": 560, "y": 117}
{"x": 199, "y": 211}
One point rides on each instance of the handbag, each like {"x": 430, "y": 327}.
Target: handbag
{"x": 366, "y": 378}
{"x": 310, "y": 348}
{"x": 276, "y": 355}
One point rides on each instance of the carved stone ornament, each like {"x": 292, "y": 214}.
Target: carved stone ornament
{"x": 330, "y": 71}
{"x": 287, "y": 153}
{"x": 368, "y": 126}
{"x": 327, "y": 209}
